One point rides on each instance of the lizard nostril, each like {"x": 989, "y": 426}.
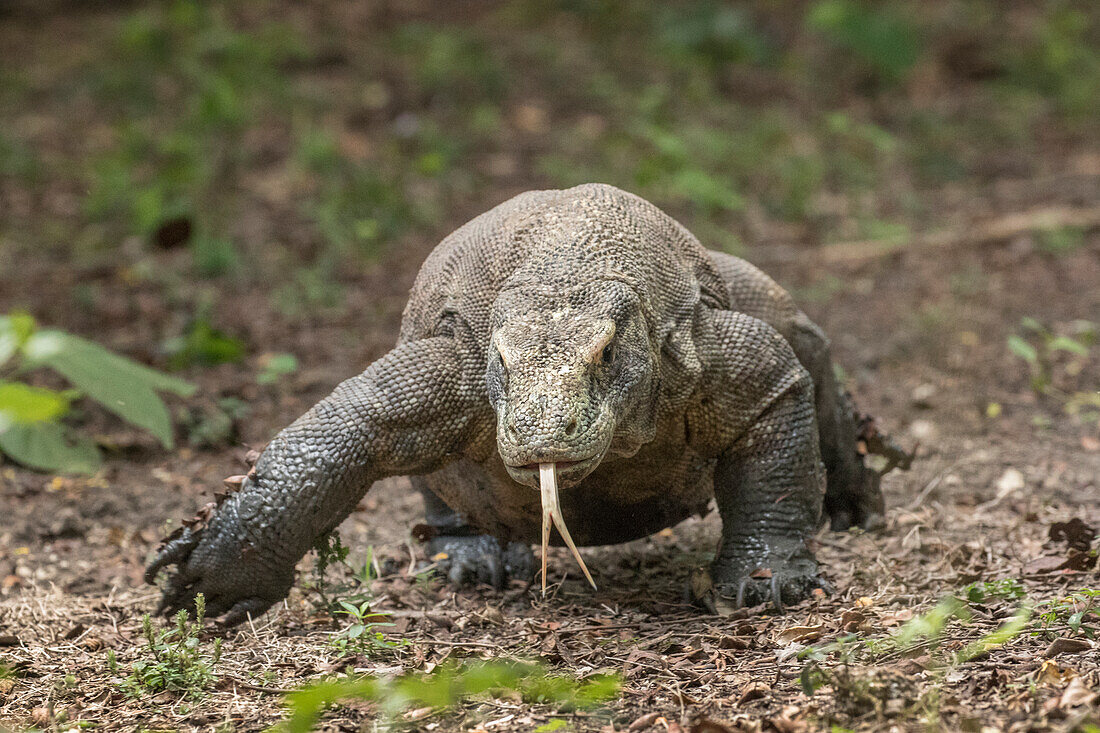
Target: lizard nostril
{"x": 510, "y": 428}
{"x": 571, "y": 428}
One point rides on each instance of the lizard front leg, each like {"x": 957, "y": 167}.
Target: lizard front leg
{"x": 408, "y": 413}
{"x": 769, "y": 480}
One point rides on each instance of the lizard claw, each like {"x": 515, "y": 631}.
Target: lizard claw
{"x": 780, "y": 590}
{"x": 242, "y": 610}
{"x": 739, "y": 602}
{"x": 480, "y": 559}
{"x": 172, "y": 551}
{"x": 219, "y": 561}
{"x": 780, "y": 579}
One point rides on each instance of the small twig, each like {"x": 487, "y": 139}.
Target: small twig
{"x": 257, "y": 688}
{"x": 459, "y": 644}
{"x": 977, "y": 233}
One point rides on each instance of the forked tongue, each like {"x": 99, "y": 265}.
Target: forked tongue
{"x": 551, "y": 512}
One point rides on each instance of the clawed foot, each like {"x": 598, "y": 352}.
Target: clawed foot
{"x": 479, "y": 559}
{"x": 235, "y": 579}
{"x": 726, "y": 587}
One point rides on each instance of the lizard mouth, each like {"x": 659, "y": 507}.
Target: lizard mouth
{"x": 568, "y": 473}
{"x": 551, "y": 514}
{"x": 547, "y": 477}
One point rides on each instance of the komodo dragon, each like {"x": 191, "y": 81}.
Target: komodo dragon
{"x": 578, "y": 338}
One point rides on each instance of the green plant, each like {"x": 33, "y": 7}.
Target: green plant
{"x": 353, "y": 585}
{"x": 1006, "y": 588}
{"x": 182, "y": 83}
{"x": 202, "y": 344}
{"x": 356, "y": 207}
{"x": 876, "y": 34}
{"x": 1060, "y": 60}
{"x": 215, "y": 424}
{"x": 1038, "y": 347}
{"x": 362, "y": 635}
{"x": 925, "y": 631}
{"x": 177, "y": 660}
{"x": 711, "y": 33}
{"x": 1078, "y": 612}
{"x": 275, "y": 366}
{"x": 447, "y": 686}
{"x": 214, "y": 256}
{"x": 32, "y": 427}
{"x": 1061, "y": 240}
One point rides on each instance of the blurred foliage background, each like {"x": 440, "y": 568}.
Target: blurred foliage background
{"x": 283, "y": 146}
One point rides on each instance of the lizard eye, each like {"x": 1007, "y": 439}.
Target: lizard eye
{"x": 608, "y": 354}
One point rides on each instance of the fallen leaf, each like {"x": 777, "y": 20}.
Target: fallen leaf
{"x": 1050, "y": 673}
{"x": 1066, "y": 646}
{"x": 897, "y": 617}
{"x": 1011, "y": 480}
{"x": 706, "y": 725}
{"x": 754, "y": 691}
{"x": 1044, "y": 564}
{"x": 644, "y": 722}
{"x": 1079, "y": 560}
{"x": 800, "y": 634}
{"x": 785, "y": 725}
{"x": 852, "y": 620}
{"x": 1074, "y": 533}
{"x": 1077, "y": 693}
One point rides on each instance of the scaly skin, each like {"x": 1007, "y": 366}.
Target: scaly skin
{"x": 583, "y": 328}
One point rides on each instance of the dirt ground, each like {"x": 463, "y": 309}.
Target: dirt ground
{"x": 977, "y": 506}
{"x": 920, "y": 332}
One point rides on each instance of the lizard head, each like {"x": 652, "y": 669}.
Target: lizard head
{"x": 572, "y": 376}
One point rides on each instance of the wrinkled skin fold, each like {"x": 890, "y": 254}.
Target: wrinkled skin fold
{"x": 571, "y": 358}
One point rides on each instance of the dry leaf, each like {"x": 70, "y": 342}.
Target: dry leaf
{"x": 644, "y": 722}
{"x": 800, "y": 634}
{"x": 1077, "y": 693}
{"x": 1074, "y": 533}
{"x": 1066, "y": 646}
{"x": 1051, "y": 674}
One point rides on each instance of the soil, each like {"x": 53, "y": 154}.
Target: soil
{"x": 921, "y": 334}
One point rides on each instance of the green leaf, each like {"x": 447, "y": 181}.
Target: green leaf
{"x": 47, "y": 446}
{"x": 274, "y": 366}
{"x": 1032, "y": 325}
{"x": 124, "y": 387}
{"x": 1064, "y": 343}
{"x": 14, "y": 332}
{"x": 21, "y": 403}
{"x": 205, "y": 345}
{"x": 1023, "y": 349}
